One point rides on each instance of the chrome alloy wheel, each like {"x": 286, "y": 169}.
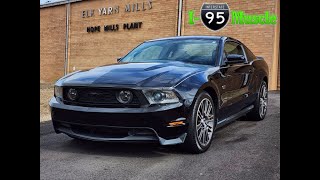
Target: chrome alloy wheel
{"x": 205, "y": 122}
{"x": 263, "y": 101}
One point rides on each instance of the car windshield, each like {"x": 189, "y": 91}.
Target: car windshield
{"x": 197, "y": 51}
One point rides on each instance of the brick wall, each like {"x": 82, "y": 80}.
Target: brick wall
{"x": 258, "y": 38}
{"x": 52, "y": 43}
{"x": 88, "y": 50}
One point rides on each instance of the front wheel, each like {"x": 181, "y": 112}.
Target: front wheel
{"x": 201, "y": 125}
{"x": 259, "y": 111}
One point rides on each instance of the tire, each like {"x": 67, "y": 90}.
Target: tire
{"x": 194, "y": 142}
{"x": 259, "y": 111}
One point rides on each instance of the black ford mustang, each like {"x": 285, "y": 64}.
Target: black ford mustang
{"x": 175, "y": 90}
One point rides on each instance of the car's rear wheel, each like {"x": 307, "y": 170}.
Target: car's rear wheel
{"x": 259, "y": 111}
{"x": 201, "y": 124}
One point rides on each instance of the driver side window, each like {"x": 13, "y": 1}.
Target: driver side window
{"x": 232, "y": 48}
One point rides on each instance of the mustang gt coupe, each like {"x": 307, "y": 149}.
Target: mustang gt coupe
{"x": 175, "y": 90}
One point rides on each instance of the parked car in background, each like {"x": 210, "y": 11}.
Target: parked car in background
{"x": 175, "y": 90}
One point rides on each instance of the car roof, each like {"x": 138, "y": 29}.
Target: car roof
{"x": 189, "y": 37}
{"x": 195, "y": 37}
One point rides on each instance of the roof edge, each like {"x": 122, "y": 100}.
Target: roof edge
{"x": 58, "y": 3}
{"x": 185, "y": 37}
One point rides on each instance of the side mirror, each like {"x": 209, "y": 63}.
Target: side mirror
{"x": 118, "y": 59}
{"x": 234, "y": 58}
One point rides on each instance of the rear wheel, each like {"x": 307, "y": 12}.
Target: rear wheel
{"x": 260, "y": 105}
{"x": 201, "y": 124}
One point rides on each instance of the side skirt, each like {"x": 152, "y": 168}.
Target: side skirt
{"x": 233, "y": 117}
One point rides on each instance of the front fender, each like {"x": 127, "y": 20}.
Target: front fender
{"x": 192, "y": 86}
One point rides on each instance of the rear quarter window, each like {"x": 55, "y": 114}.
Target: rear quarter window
{"x": 250, "y": 55}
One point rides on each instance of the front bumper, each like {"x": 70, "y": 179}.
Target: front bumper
{"x": 121, "y": 124}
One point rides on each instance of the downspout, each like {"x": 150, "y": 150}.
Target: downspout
{"x": 180, "y": 17}
{"x": 67, "y": 37}
{"x": 275, "y": 59}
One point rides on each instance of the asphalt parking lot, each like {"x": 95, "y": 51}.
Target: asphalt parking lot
{"x": 242, "y": 150}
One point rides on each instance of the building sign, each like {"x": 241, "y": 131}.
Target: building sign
{"x": 115, "y": 27}
{"x": 106, "y": 11}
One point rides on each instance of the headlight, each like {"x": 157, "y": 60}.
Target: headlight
{"x": 160, "y": 97}
{"x": 58, "y": 91}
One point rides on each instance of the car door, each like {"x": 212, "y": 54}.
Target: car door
{"x": 234, "y": 80}
{"x": 249, "y": 70}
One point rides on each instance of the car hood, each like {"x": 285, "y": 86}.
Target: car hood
{"x": 135, "y": 74}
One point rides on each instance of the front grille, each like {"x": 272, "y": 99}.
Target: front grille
{"x": 99, "y": 97}
{"x": 100, "y": 131}
{"x": 105, "y": 131}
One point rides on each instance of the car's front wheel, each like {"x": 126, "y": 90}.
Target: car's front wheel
{"x": 201, "y": 124}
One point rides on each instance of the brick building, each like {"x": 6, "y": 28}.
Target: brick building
{"x": 70, "y": 39}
